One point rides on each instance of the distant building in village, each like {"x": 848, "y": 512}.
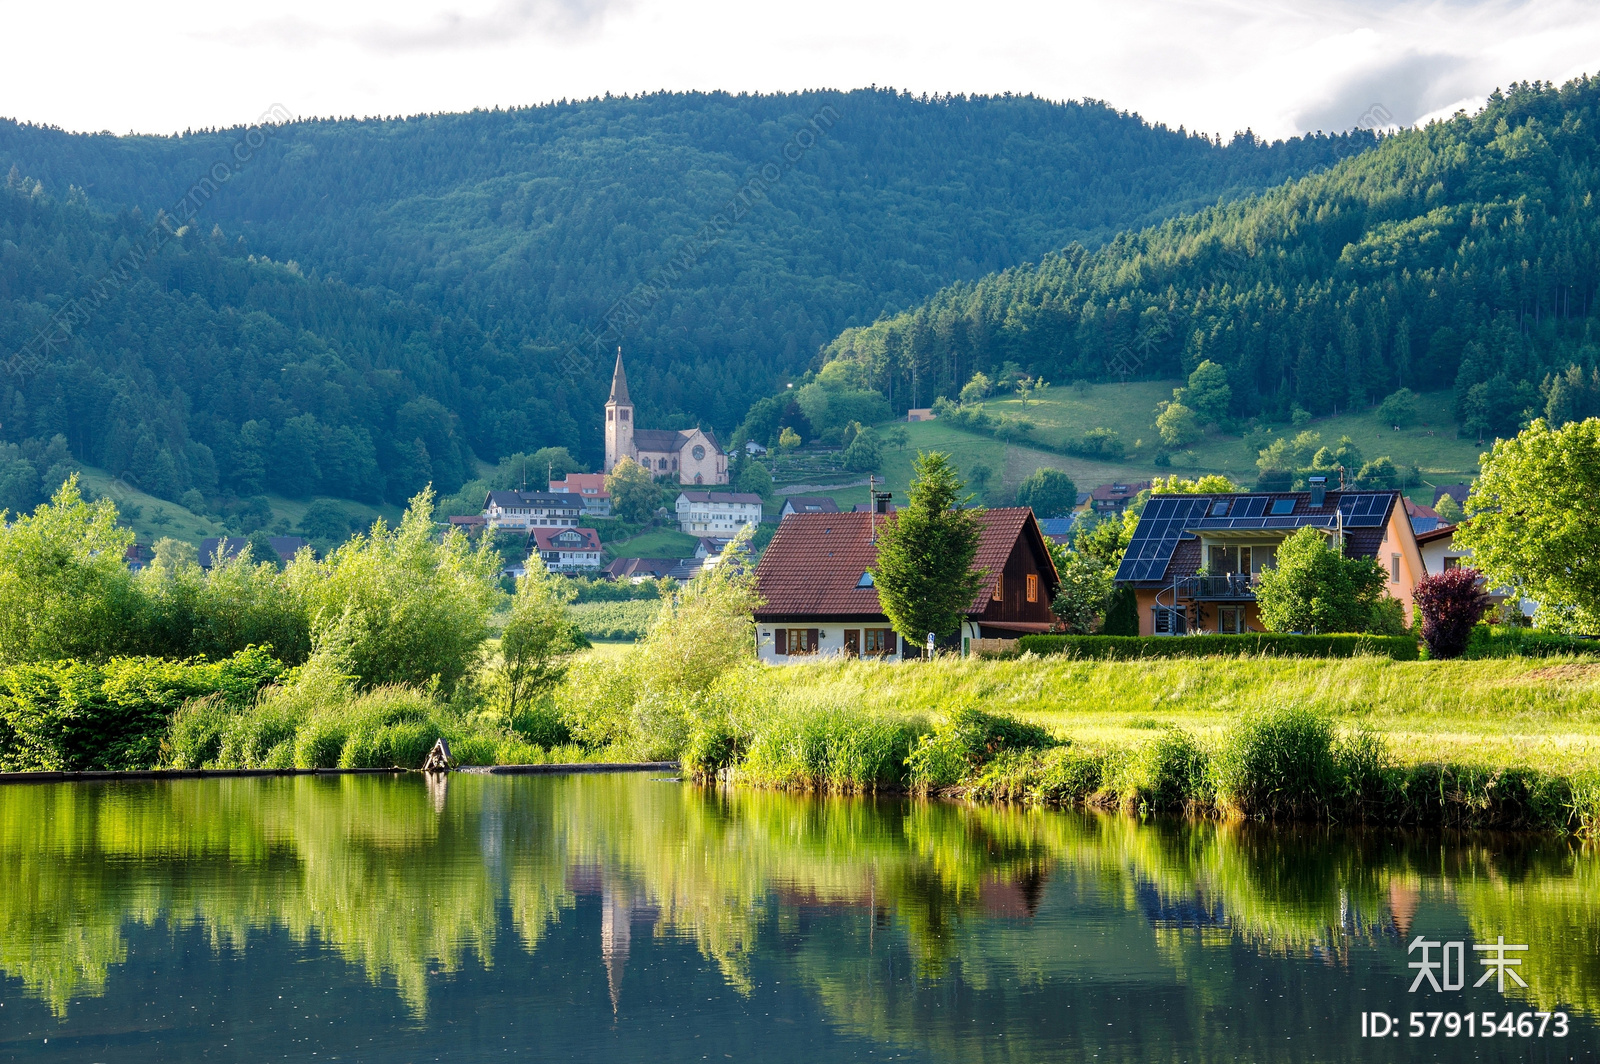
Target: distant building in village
{"x": 567, "y": 550}
{"x": 717, "y": 513}
{"x": 692, "y": 456}
{"x": 519, "y": 510}
{"x": 638, "y": 570}
{"x": 1114, "y": 498}
{"x": 808, "y": 504}
{"x": 920, "y": 414}
{"x": 590, "y": 488}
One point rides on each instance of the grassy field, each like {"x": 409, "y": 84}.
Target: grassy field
{"x": 1542, "y": 714}
{"x": 659, "y": 544}
{"x": 1062, "y": 414}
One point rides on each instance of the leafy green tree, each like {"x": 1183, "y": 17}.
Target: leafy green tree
{"x": 1211, "y": 483}
{"x": 1086, "y": 591}
{"x": 64, "y": 590}
{"x": 898, "y": 437}
{"x": 326, "y": 521}
{"x": 402, "y": 606}
{"x": 1448, "y": 509}
{"x": 924, "y": 573}
{"x": 1378, "y": 473}
{"x": 788, "y": 439}
{"x": 1399, "y": 409}
{"x": 977, "y": 389}
{"x": 754, "y": 479}
{"x": 1178, "y": 425}
{"x": 1314, "y": 588}
{"x": 1208, "y": 393}
{"x": 865, "y": 453}
{"x": 634, "y": 494}
{"x": 979, "y": 474}
{"x": 1534, "y": 521}
{"x": 1049, "y": 492}
{"x": 539, "y": 637}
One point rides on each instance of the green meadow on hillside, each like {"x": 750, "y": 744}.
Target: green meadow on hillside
{"x": 1062, "y": 415}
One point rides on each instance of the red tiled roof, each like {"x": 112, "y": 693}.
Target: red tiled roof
{"x": 1130, "y": 488}
{"x": 591, "y": 484}
{"x": 1416, "y": 509}
{"x": 815, "y": 561}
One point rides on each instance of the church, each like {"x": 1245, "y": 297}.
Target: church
{"x": 691, "y": 455}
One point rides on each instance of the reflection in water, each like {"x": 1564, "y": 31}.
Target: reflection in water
{"x": 901, "y": 922}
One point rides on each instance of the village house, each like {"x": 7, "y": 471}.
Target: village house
{"x": 717, "y": 513}
{"x": 1114, "y": 498}
{"x": 638, "y": 570}
{"x": 819, "y": 597}
{"x": 1440, "y": 554}
{"x": 691, "y": 456}
{"x": 808, "y": 504}
{"x": 590, "y": 488}
{"x": 519, "y": 510}
{"x": 1195, "y": 560}
{"x": 567, "y": 550}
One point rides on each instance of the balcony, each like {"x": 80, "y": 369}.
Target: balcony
{"x": 1229, "y": 587}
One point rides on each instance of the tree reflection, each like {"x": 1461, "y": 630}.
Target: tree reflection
{"x": 408, "y": 880}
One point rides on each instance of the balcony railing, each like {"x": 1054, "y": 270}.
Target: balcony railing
{"x": 1237, "y": 587}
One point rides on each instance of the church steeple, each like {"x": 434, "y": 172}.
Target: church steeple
{"x": 619, "y": 418}
{"x": 619, "y": 384}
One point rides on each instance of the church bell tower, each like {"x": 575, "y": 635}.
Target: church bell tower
{"x": 619, "y": 418}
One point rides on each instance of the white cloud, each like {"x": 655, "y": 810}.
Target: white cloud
{"x": 1274, "y": 66}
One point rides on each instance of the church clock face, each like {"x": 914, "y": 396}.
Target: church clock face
{"x": 699, "y": 453}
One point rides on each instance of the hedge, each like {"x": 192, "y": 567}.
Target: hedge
{"x": 1123, "y": 647}
{"x": 1507, "y": 642}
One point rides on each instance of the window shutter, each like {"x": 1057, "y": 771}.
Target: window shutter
{"x": 811, "y": 640}
{"x": 780, "y": 641}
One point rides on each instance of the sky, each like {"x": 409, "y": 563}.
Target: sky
{"x": 1217, "y": 66}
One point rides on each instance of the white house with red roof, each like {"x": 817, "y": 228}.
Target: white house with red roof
{"x": 567, "y": 550}
{"x": 590, "y": 488}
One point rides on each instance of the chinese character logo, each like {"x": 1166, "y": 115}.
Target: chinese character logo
{"x": 1500, "y": 965}
{"x": 1448, "y": 972}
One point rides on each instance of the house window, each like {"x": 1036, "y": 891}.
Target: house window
{"x": 878, "y": 642}
{"x": 852, "y": 642}
{"x": 1394, "y": 568}
{"x": 1000, "y": 588}
{"x": 1033, "y": 587}
{"x": 1451, "y": 563}
{"x": 1230, "y": 620}
{"x": 796, "y": 641}
{"x": 622, "y": 415}
{"x": 699, "y": 453}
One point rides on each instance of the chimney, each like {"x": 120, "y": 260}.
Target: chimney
{"x": 1319, "y": 490}
{"x": 880, "y": 501}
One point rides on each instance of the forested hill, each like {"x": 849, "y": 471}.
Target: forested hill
{"x": 1465, "y": 255}
{"x": 447, "y": 259}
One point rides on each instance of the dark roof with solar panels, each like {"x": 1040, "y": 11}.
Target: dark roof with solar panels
{"x": 1168, "y": 520}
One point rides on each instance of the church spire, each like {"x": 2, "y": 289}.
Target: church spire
{"x": 619, "y": 384}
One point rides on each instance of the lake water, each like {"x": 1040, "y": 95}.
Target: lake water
{"x": 624, "y": 918}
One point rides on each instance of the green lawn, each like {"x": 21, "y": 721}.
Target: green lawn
{"x": 659, "y": 544}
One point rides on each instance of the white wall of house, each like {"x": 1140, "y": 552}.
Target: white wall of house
{"x": 720, "y": 520}
{"x": 1441, "y": 554}
{"x": 830, "y": 641}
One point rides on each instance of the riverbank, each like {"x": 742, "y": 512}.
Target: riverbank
{"x": 1505, "y": 743}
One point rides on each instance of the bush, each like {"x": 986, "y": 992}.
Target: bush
{"x": 74, "y": 716}
{"x": 1166, "y": 773}
{"x": 194, "y": 739}
{"x": 1123, "y": 648}
{"x": 1399, "y": 409}
{"x": 320, "y": 743}
{"x": 833, "y": 749}
{"x": 266, "y": 734}
{"x": 1451, "y": 603}
{"x": 964, "y": 741}
{"x": 1068, "y": 774}
{"x": 1277, "y": 762}
{"x": 402, "y": 745}
{"x": 540, "y": 725}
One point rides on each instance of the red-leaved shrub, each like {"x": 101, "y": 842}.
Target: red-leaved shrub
{"x": 1451, "y": 603}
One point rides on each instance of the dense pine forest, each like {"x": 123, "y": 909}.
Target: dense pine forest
{"x": 369, "y": 305}
{"x": 1465, "y": 255}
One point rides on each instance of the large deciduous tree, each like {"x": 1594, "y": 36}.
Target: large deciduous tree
{"x": 1049, "y": 492}
{"x": 924, "y": 573}
{"x": 1533, "y": 521}
{"x": 634, "y": 495}
{"x": 1315, "y": 588}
